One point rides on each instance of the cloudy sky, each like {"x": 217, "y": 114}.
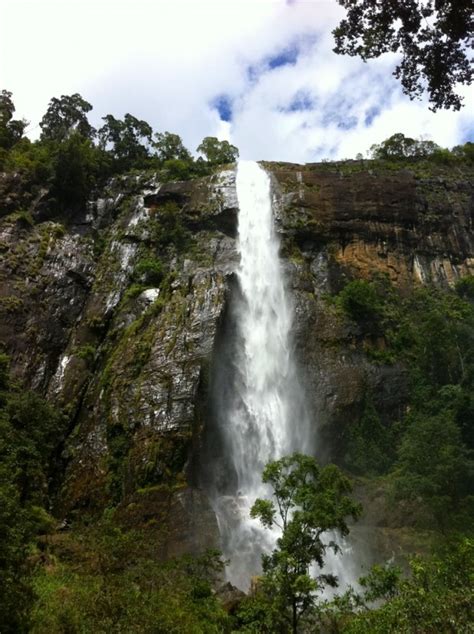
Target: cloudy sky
{"x": 260, "y": 73}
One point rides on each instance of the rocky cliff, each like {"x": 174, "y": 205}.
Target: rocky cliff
{"x": 114, "y": 316}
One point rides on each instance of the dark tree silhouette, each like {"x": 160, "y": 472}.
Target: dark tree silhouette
{"x": 433, "y": 37}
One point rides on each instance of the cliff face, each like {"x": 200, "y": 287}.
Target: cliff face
{"x": 345, "y": 222}
{"x": 114, "y": 317}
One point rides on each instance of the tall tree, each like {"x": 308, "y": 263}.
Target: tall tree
{"x": 169, "y": 147}
{"x": 398, "y": 146}
{"x": 218, "y": 152}
{"x": 129, "y": 139}
{"x": 433, "y": 37}
{"x": 64, "y": 116}
{"x": 308, "y": 501}
{"x": 11, "y": 130}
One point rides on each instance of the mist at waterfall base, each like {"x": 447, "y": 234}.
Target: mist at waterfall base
{"x": 258, "y": 409}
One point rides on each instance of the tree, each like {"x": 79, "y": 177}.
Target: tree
{"x": 435, "y": 466}
{"x": 437, "y": 596}
{"x": 169, "y": 147}
{"x": 64, "y": 116}
{"x": 309, "y": 501}
{"x": 78, "y": 166}
{"x": 431, "y": 35}
{"x": 129, "y": 139}
{"x": 11, "y": 130}
{"x": 218, "y": 152}
{"x": 399, "y": 147}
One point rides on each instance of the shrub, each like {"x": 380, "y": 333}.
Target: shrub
{"x": 360, "y": 300}
{"x": 150, "y": 271}
{"x": 465, "y": 287}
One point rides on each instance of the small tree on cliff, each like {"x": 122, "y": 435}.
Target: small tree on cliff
{"x": 218, "y": 152}
{"x": 308, "y": 501}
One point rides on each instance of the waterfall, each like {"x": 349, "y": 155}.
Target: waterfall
{"x": 260, "y": 412}
{"x": 262, "y": 419}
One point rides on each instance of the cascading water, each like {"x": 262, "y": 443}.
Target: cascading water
{"x": 261, "y": 420}
{"x": 260, "y": 413}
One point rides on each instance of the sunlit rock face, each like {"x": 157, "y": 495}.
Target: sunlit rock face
{"x": 131, "y": 366}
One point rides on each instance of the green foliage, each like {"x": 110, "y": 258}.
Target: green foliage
{"x": 435, "y": 466}
{"x": 369, "y": 445}
{"x": 11, "y": 130}
{"x": 217, "y": 152}
{"x": 129, "y": 140}
{"x": 150, "y": 271}
{"x": 361, "y": 301}
{"x": 169, "y": 147}
{"x": 133, "y": 291}
{"x": 177, "y": 169}
{"x": 29, "y": 440}
{"x": 438, "y": 596}
{"x": 398, "y": 147}
{"x": 464, "y": 152}
{"x": 78, "y": 166}
{"x": 465, "y": 287}
{"x": 29, "y": 432}
{"x": 24, "y": 218}
{"x": 67, "y": 164}
{"x": 33, "y": 160}
{"x": 418, "y": 152}
{"x": 432, "y": 38}
{"x": 115, "y": 583}
{"x": 66, "y": 116}
{"x": 430, "y": 450}
{"x": 309, "y": 501}
{"x": 168, "y": 228}
{"x": 86, "y": 352}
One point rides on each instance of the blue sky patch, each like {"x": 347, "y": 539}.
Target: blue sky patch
{"x": 338, "y": 113}
{"x": 467, "y": 134}
{"x": 370, "y": 115}
{"x": 284, "y": 57}
{"x": 223, "y": 105}
{"x": 301, "y": 102}
{"x": 347, "y": 123}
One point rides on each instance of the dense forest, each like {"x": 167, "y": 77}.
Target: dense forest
{"x": 102, "y": 575}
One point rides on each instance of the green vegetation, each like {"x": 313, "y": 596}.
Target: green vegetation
{"x": 11, "y": 130}
{"x": 87, "y": 352}
{"x": 431, "y": 37}
{"x": 437, "y": 596}
{"x": 103, "y": 578}
{"x": 429, "y": 452}
{"x": 309, "y": 501}
{"x": 30, "y": 431}
{"x": 398, "y": 147}
{"x": 218, "y": 152}
{"x": 360, "y": 300}
{"x": 72, "y": 159}
{"x": 150, "y": 270}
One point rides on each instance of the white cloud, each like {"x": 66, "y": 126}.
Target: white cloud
{"x": 165, "y": 61}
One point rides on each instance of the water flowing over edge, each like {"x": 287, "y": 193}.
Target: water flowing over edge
{"x": 264, "y": 416}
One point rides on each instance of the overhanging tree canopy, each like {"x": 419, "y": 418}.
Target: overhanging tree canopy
{"x": 433, "y": 37}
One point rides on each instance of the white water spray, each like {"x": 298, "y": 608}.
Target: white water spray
{"x": 263, "y": 417}
{"x": 262, "y": 422}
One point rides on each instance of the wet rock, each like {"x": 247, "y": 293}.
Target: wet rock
{"x": 230, "y": 597}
